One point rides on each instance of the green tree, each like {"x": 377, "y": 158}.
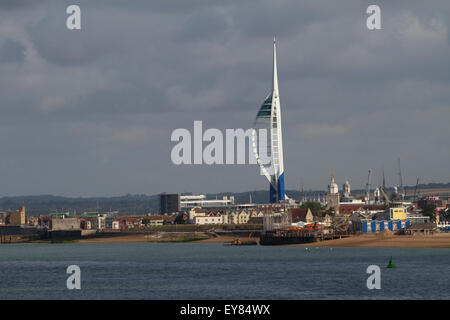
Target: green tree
{"x": 180, "y": 219}
{"x": 430, "y": 211}
{"x": 315, "y": 207}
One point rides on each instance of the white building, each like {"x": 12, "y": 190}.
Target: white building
{"x": 346, "y": 201}
{"x": 194, "y": 212}
{"x": 208, "y": 220}
{"x": 239, "y": 217}
{"x": 101, "y": 222}
{"x": 187, "y": 202}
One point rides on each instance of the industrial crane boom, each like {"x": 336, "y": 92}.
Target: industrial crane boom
{"x": 368, "y": 186}
{"x": 415, "y": 190}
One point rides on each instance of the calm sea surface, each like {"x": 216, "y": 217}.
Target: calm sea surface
{"x": 214, "y": 271}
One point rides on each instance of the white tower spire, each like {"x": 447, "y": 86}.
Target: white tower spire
{"x": 269, "y": 118}
{"x": 275, "y": 72}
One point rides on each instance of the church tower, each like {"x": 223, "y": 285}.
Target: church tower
{"x": 333, "y": 196}
{"x": 346, "y": 189}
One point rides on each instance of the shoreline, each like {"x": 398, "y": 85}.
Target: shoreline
{"x": 441, "y": 240}
{"x": 370, "y": 240}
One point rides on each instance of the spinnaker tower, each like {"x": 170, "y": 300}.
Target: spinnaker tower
{"x": 268, "y": 149}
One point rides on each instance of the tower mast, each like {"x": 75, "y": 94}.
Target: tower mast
{"x": 277, "y": 193}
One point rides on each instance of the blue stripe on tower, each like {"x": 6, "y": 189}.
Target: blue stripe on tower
{"x": 281, "y": 194}
{"x": 273, "y": 195}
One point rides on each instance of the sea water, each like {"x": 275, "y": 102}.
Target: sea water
{"x": 214, "y": 271}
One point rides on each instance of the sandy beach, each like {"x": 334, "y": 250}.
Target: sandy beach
{"x": 387, "y": 241}
{"x": 365, "y": 240}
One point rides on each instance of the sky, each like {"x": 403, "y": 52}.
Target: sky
{"x": 90, "y": 112}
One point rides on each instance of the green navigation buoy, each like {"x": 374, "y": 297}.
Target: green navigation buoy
{"x": 391, "y": 263}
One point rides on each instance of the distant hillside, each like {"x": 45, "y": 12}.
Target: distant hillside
{"x": 128, "y": 204}
{"x": 261, "y": 196}
{"x": 142, "y": 204}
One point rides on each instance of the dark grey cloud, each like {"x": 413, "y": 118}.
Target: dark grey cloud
{"x": 12, "y": 51}
{"x": 90, "y": 112}
{"x": 19, "y": 4}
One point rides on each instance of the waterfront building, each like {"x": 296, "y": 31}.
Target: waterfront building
{"x": 201, "y": 220}
{"x": 351, "y": 201}
{"x": 192, "y": 201}
{"x": 226, "y": 218}
{"x": 93, "y": 220}
{"x": 115, "y": 225}
{"x": 367, "y": 210}
{"x": 424, "y": 228}
{"x": 129, "y": 222}
{"x": 151, "y": 221}
{"x": 65, "y": 224}
{"x": 256, "y": 220}
{"x": 169, "y": 203}
{"x": 301, "y": 215}
{"x": 15, "y": 217}
{"x": 101, "y": 222}
{"x": 418, "y": 218}
{"x": 397, "y": 212}
{"x": 31, "y": 221}
{"x": 439, "y": 202}
{"x": 194, "y": 212}
{"x": 109, "y": 219}
{"x": 375, "y": 226}
{"x": 256, "y": 214}
{"x": 276, "y": 220}
{"x": 240, "y": 217}
{"x": 85, "y": 224}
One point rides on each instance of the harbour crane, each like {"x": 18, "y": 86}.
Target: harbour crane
{"x": 402, "y": 190}
{"x": 368, "y": 186}
{"x": 415, "y": 190}
{"x": 386, "y": 197}
{"x": 383, "y": 190}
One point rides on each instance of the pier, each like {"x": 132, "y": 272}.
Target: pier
{"x": 281, "y": 237}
